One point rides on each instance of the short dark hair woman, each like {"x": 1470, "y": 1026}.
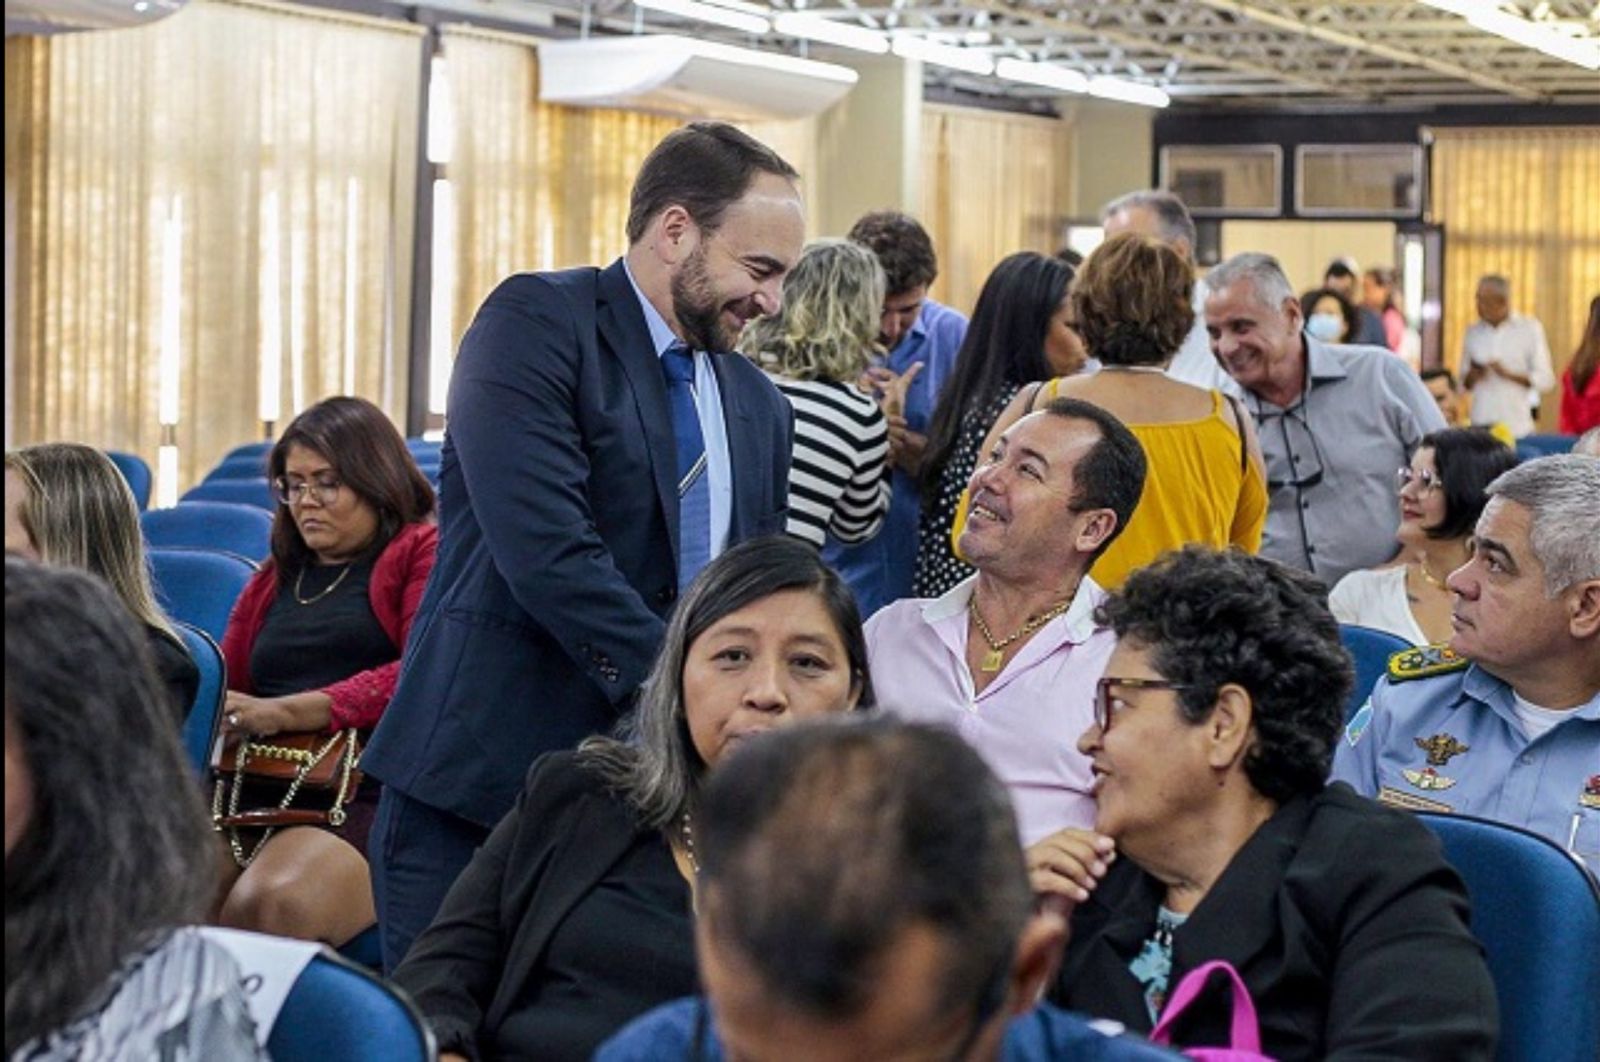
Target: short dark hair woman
{"x": 108, "y": 852}
{"x": 1019, "y": 334}
{"x": 314, "y": 643}
{"x": 1329, "y": 316}
{"x": 575, "y": 916}
{"x": 1132, "y": 303}
{"x": 1442, "y": 494}
{"x": 1215, "y": 723}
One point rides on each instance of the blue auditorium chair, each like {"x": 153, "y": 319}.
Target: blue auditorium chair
{"x": 199, "y": 586}
{"x": 255, "y": 492}
{"x": 250, "y": 466}
{"x": 202, "y": 718}
{"x": 337, "y": 1010}
{"x": 1537, "y": 912}
{"x": 136, "y": 472}
{"x": 242, "y": 529}
{"x": 257, "y": 449}
{"x": 1370, "y": 650}
{"x": 1531, "y": 446}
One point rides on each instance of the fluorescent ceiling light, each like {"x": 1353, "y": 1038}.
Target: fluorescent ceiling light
{"x": 830, "y": 31}
{"x": 1487, "y": 16}
{"x": 720, "y": 16}
{"x": 1045, "y": 75}
{"x": 948, "y": 55}
{"x": 1115, "y": 88}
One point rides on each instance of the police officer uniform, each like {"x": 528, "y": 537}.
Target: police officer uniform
{"x": 1441, "y": 734}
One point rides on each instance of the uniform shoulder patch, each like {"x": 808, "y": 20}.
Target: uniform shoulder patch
{"x": 1425, "y": 661}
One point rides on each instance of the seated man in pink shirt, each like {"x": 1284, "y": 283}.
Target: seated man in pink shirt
{"x": 1010, "y": 657}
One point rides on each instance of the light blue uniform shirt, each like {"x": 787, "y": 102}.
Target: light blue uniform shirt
{"x": 879, "y": 570}
{"x": 708, "y": 404}
{"x": 1547, "y": 785}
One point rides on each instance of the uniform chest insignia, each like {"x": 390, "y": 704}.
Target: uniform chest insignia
{"x": 1428, "y": 779}
{"x": 1441, "y": 748}
{"x": 1424, "y": 661}
{"x": 1590, "y": 797}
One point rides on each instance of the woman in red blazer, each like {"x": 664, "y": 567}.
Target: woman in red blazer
{"x": 314, "y": 643}
{"x": 1580, "y": 384}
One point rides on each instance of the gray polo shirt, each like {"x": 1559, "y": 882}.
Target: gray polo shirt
{"x": 1332, "y": 455}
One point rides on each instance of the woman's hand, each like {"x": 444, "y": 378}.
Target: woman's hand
{"x": 265, "y": 716}
{"x": 1070, "y": 863}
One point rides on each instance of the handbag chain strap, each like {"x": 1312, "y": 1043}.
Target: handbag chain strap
{"x": 308, "y": 762}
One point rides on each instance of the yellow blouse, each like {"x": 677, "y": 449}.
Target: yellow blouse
{"x": 1194, "y": 491}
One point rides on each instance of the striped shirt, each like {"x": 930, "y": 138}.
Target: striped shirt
{"x": 837, "y": 479}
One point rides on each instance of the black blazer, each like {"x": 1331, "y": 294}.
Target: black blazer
{"x": 1344, "y": 920}
{"x": 468, "y": 969}
{"x": 558, "y": 536}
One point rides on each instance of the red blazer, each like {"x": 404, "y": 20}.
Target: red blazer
{"x": 398, "y": 579}
{"x": 1579, "y": 413}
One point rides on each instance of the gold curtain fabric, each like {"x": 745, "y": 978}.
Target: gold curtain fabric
{"x": 222, "y": 117}
{"x": 993, "y": 184}
{"x": 1520, "y": 203}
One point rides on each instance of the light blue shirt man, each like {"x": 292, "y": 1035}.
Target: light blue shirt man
{"x": 1456, "y": 741}
{"x": 708, "y": 404}
{"x": 879, "y": 570}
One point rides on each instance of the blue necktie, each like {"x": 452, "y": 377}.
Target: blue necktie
{"x": 694, "y": 486}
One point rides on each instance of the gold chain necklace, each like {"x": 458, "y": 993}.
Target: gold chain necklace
{"x": 1427, "y": 576}
{"x": 996, "y": 654}
{"x": 314, "y": 598}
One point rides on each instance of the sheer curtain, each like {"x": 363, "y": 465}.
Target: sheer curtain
{"x": 1520, "y": 203}
{"x": 213, "y": 225}
{"x": 992, "y": 184}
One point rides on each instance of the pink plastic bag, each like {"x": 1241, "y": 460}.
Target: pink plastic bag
{"x": 1244, "y": 1041}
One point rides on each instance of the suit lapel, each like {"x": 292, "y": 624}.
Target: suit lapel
{"x": 625, "y": 334}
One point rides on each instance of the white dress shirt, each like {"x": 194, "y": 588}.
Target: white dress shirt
{"x": 1517, "y": 344}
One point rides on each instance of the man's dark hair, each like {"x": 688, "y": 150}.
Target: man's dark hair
{"x": 1439, "y": 372}
{"x": 902, "y": 246}
{"x": 1468, "y": 460}
{"x": 1111, "y": 475}
{"x": 118, "y": 848}
{"x": 824, "y": 842}
{"x": 1338, "y": 270}
{"x": 1210, "y": 618}
{"x": 705, "y": 167}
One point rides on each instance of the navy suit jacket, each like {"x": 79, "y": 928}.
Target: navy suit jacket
{"x": 557, "y": 560}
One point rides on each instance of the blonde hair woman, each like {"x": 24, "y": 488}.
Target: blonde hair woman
{"x": 815, "y": 349}
{"x": 67, "y": 505}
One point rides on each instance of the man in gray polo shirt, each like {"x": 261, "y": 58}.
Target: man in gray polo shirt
{"x": 1335, "y": 422}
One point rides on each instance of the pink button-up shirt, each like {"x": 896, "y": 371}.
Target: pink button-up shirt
{"x": 1026, "y": 722}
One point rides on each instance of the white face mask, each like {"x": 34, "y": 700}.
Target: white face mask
{"x": 1325, "y": 326}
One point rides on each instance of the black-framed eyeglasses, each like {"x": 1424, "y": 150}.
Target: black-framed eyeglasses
{"x": 1427, "y": 482}
{"x": 326, "y": 491}
{"x": 1300, "y": 463}
{"x": 1102, "y": 695}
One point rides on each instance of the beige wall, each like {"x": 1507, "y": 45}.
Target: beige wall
{"x": 1306, "y": 247}
{"x": 869, "y": 146}
{"x": 1113, "y": 153}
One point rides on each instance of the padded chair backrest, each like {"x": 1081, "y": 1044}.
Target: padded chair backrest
{"x": 237, "y": 491}
{"x": 136, "y": 472}
{"x": 420, "y": 447}
{"x": 199, "y": 586}
{"x": 257, "y": 449}
{"x": 202, "y": 718}
{"x": 249, "y": 466}
{"x": 242, "y": 529}
{"x": 337, "y": 1010}
{"x": 1531, "y": 446}
{"x": 1370, "y": 650}
{"x": 1537, "y": 912}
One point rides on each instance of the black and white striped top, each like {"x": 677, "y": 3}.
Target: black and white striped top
{"x": 838, "y": 478}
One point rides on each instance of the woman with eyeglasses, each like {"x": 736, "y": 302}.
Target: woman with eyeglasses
{"x": 1218, "y": 839}
{"x": 1441, "y": 497}
{"x": 314, "y": 644}
{"x": 576, "y": 915}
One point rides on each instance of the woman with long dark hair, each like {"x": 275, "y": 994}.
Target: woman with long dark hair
{"x": 1580, "y": 384}
{"x": 1020, "y": 334}
{"x": 314, "y": 645}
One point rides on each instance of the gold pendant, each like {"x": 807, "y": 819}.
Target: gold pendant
{"x": 993, "y": 659}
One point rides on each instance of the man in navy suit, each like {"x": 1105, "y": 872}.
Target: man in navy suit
{"x": 602, "y": 446}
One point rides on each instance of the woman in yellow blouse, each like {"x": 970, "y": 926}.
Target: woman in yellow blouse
{"x": 1207, "y": 483}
